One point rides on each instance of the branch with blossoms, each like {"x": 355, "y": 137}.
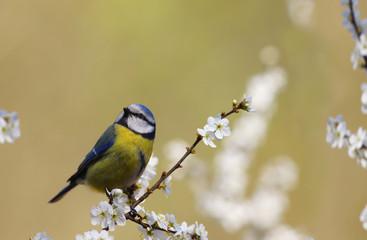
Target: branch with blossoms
{"x": 121, "y": 207}
{"x": 216, "y": 128}
{"x": 358, "y": 29}
{"x": 339, "y": 136}
{"x": 337, "y": 133}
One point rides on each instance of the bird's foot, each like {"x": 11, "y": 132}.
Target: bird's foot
{"x": 133, "y": 213}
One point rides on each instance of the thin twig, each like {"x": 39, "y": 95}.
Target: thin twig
{"x": 166, "y": 174}
{"x": 189, "y": 151}
{"x": 356, "y": 28}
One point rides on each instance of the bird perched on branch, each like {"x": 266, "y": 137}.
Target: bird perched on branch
{"x": 120, "y": 155}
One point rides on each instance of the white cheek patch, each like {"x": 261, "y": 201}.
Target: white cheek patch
{"x": 139, "y": 125}
{"x": 138, "y": 109}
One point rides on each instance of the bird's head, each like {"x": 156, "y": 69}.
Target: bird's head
{"x": 139, "y": 119}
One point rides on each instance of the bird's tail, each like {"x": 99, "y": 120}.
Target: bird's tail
{"x": 63, "y": 192}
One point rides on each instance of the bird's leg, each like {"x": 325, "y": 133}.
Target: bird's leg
{"x": 109, "y": 196}
{"x": 130, "y": 192}
{"x": 133, "y": 213}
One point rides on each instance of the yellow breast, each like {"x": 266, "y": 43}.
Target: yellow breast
{"x": 123, "y": 163}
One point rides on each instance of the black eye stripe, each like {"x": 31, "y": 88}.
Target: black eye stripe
{"x": 139, "y": 115}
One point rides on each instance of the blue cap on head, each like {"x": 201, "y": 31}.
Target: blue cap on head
{"x": 139, "y": 108}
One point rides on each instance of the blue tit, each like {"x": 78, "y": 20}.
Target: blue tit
{"x": 120, "y": 155}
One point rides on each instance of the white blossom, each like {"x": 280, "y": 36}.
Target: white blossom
{"x": 158, "y": 219}
{"x": 151, "y": 217}
{"x": 248, "y": 102}
{"x": 361, "y": 45}
{"x": 101, "y": 214}
{"x": 184, "y": 229}
{"x": 41, "y": 236}
{"x": 200, "y": 231}
{"x": 356, "y": 141}
{"x": 172, "y": 225}
{"x": 120, "y": 200}
{"x": 336, "y": 132}
{"x": 216, "y": 128}
{"x": 94, "y": 235}
{"x": 9, "y": 126}
{"x": 150, "y": 234}
{"x": 219, "y": 126}
{"x": 360, "y": 50}
{"x": 116, "y": 192}
{"x": 3, "y": 130}
{"x": 166, "y": 186}
{"x": 117, "y": 218}
{"x": 162, "y": 221}
{"x": 208, "y": 136}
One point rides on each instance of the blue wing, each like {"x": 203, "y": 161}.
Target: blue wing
{"x": 103, "y": 144}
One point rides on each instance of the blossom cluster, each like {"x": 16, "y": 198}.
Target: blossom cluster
{"x": 217, "y": 127}
{"x": 94, "y": 235}
{"x": 172, "y": 229}
{"x": 360, "y": 51}
{"x": 9, "y": 126}
{"x": 41, "y": 236}
{"x": 339, "y": 136}
{"x": 337, "y": 133}
{"x": 109, "y": 215}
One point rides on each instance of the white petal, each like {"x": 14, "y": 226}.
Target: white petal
{"x": 218, "y": 118}
{"x": 201, "y": 132}
{"x": 211, "y": 143}
{"x": 219, "y": 134}
{"x": 211, "y": 120}
{"x": 95, "y": 211}
{"x": 210, "y": 127}
{"x": 226, "y": 131}
{"x": 121, "y": 221}
{"x": 96, "y": 221}
{"x": 224, "y": 122}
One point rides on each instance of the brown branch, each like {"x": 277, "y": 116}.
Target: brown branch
{"x": 357, "y": 28}
{"x": 166, "y": 174}
{"x": 145, "y": 225}
{"x": 235, "y": 109}
{"x": 139, "y": 220}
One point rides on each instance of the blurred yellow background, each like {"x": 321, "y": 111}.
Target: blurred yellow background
{"x": 68, "y": 68}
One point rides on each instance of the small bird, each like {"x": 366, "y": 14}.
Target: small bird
{"x": 120, "y": 155}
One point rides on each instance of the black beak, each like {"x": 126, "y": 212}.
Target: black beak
{"x": 126, "y": 111}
